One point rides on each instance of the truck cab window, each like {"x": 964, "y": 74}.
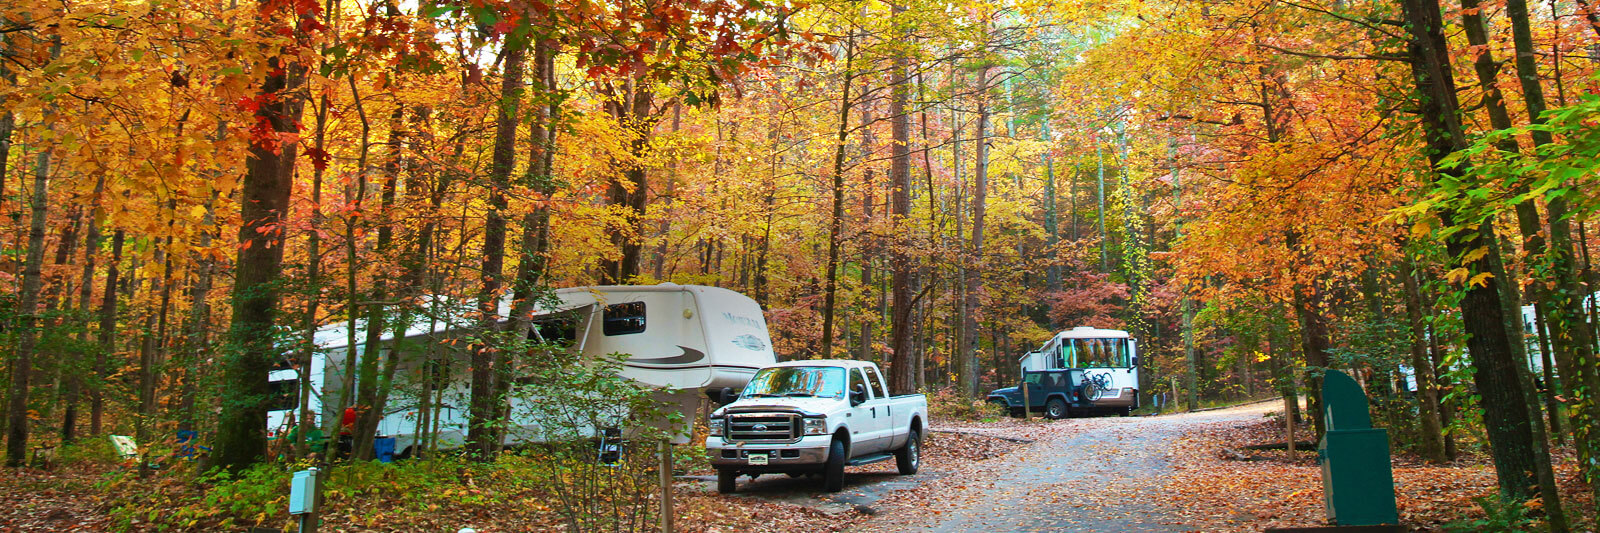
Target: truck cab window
{"x": 857, "y": 381}
{"x": 624, "y": 319}
{"x": 877, "y": 383}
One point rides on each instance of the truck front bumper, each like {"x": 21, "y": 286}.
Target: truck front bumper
{"x": 810, "y": 452}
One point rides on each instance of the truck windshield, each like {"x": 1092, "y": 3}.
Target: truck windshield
{"x": 819, "y": 381}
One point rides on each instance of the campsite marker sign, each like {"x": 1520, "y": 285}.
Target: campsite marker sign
{"x": 1357, "y": 480}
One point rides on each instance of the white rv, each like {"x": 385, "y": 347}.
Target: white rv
{"x": 1109, "y": 356}
{"x": 688, "y": 338}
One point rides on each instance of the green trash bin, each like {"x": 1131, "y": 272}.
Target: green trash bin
{"x": 1357, "y": 479}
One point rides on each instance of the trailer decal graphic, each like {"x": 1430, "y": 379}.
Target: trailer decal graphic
{"x": 749, "y": 342}
{"x": 690, "y": 355}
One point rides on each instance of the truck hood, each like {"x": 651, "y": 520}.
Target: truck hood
{"x": 1002, "y": 392}
{"x": 806, "y": 406}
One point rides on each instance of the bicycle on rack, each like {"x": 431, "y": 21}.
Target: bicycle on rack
{"x": 1096, "y": 385}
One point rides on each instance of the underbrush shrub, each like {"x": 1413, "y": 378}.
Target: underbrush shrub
{"x": 947, "y": 404}
{"x": 85, "y": 452}
{"x": 575, "y": 405}
{"x": 176, "y": 499}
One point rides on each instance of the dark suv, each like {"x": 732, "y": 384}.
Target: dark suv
{"x": 1055, "y": 393}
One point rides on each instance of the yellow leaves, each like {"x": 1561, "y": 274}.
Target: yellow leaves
{"x": 1421, "y": 230}
{"x": 1475, "y": 255}
{"x": 1460, "y": 276}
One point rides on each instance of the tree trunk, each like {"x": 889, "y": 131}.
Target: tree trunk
{"x": 1427, "y": 394}
{"x": 1571, "y": 334}
{"x": 531, "y": 262}
{"x": 106, "y": 332}
{"x": 375, "y": 385}
{"x": 869, "y": 246}
{"x": 197, "y": 331}
{"x": 1503, "y": 398}
{"x": 484, "y": 406}
{"x": 1314, "y": 344}
{"x": 28, "y": 313}
{"x": 630, "y": 107}
{"x": 967, "y": 359}
{"x": 902, "y": 367}
{"x": 836, "y": 220}
{"x": 309, "y": 323}
{"x": 91, "y": 244}
{"x": 264, "y": 206}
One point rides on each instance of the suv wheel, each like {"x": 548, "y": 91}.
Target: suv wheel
{"x": 1056, "y": 409}
{"x": 833, "y": 472}
{"x": 726, "y": 481}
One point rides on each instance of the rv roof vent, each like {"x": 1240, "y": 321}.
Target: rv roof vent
{"x": 667, "y": 284}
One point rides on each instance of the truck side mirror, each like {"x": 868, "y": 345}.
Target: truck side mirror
{"x": 858, "y": 394}
{"x": 724, "y": 395}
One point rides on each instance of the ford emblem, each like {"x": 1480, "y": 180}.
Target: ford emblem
{"x": 759, "y": 427}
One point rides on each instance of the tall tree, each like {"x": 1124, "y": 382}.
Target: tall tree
{"x": 902, "y": 365}
{"x": 264, "y": 207}
{"x": 1503, "y": 399}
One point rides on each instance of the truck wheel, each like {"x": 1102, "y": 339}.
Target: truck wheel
{"x": 1056, "y": 409}
{"x": 726, "y": 481}
{"x": 909, "y": 457}
{"x": 833, "y": 472}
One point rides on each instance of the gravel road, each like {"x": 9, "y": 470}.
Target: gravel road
{"x": 1093, "y": 478}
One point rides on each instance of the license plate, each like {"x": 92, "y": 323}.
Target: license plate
{"x": 758, "y": 459}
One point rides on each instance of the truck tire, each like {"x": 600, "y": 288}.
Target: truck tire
{"x": 727, "y": 481}
{"x": 909, "y": 457}
{"x": 1056, "y": 409}
{"x": 833, "y": 471}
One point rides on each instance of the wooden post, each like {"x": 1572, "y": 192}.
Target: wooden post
{"x": 1288, "y": 421}
{"x": 666, "y": 486}
{"x": 1027, "y": 404}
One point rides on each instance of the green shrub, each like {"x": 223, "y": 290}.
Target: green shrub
{"x": 947, "y": 404}
{"x": 97, "y": 450}
{"x": 1499, "y": 515}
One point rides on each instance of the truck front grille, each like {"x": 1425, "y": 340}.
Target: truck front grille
{"x": 763, "y": 427}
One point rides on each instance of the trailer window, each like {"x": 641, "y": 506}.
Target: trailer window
{"x": 283, "y": 395}
{"x": 561, "y": 330}
{"x": 624, "y": 319}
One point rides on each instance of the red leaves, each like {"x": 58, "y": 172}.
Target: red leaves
{"x": 319, "y": 157}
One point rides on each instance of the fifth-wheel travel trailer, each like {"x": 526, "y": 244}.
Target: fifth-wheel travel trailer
{"x": 688, "y": 338}
{"x": 1110, "y": 353}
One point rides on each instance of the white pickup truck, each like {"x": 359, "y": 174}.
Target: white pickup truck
{"x": 808, "y": 417}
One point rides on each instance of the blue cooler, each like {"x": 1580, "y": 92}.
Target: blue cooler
{"x": 383, "y": 449}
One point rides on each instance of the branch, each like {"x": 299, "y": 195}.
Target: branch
{"x": 1337, "y": 57}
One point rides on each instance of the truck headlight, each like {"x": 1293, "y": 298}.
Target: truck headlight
{"x": 717, "y": 426}
{"x": 816, "y": 426}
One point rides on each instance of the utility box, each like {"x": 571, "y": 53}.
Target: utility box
{"x": 1357, "y": 480}
{"x": 303, "y": 492}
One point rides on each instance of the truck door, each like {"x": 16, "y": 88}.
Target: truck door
{"x": 893, "y": 420}
{"x": 865, "y": 427}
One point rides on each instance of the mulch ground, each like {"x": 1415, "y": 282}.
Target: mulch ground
{"x": 1214, "y": 491}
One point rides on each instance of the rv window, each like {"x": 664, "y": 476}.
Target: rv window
{"x": 283, "y": 395}
{"x": 624, "y": 319}
{"x": 561, "y": 330}
{"x": 1100, "y": 353}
